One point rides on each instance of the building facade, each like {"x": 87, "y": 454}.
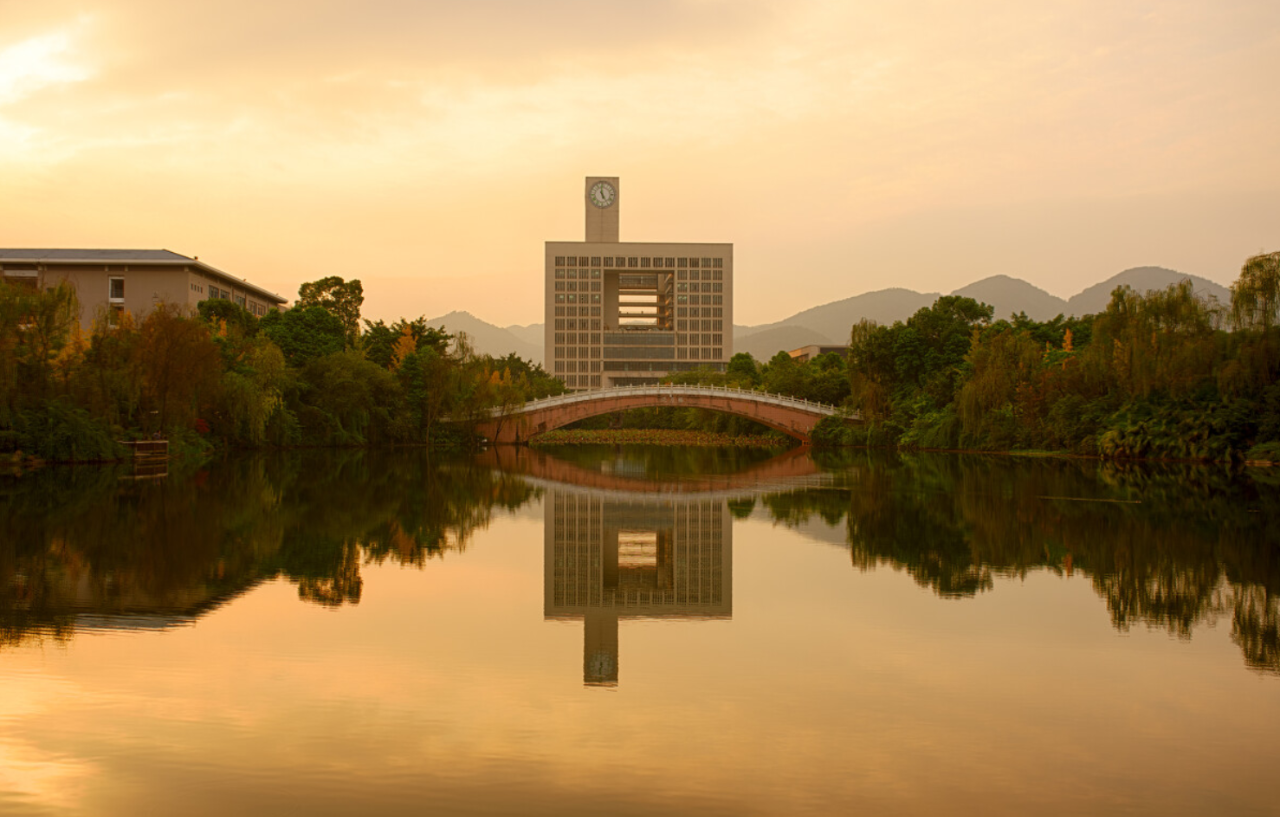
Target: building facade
{"x": 109, "y": 283}
{"x": 630, "y": 313}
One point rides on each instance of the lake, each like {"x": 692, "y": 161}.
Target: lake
{"x": 633, "y": 631}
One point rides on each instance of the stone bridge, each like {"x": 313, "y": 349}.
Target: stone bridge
{"x": 786, "y": 414}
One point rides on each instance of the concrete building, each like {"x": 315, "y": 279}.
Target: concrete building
{"x": 111, "y": 282}
{"x": 624, "y": 314}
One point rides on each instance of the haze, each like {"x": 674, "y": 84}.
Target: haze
{"x": 429, "y": 148}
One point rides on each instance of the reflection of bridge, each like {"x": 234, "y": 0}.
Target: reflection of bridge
{"x": 786, "y": 414}
{"x": 788, "y": 470}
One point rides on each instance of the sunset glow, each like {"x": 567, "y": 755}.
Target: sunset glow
{"x": 849, "y": 146}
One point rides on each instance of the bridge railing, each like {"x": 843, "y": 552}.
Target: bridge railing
{"x": 674, "y": 391}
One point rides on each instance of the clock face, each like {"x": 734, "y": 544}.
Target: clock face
{"x": 602, "y": 194}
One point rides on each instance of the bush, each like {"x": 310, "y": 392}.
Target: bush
{"x": 60, "y": 432}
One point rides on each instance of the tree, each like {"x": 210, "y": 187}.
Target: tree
{"x": 180, "y": 365}
{"x": 1255, "y": 297}
{"x": 743, "y": 370}
{"x": 342, "y": 298}
{"x": 305, "y": 333}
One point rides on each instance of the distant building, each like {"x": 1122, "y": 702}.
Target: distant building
{"x": 110, "y": 282}
{"x": 806, "y": 353}
{"x": 623, "y": 314}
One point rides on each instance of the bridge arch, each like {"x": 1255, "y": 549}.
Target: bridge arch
{"x": 789, "y": 415}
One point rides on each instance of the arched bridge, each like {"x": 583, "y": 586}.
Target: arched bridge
{"x": 786, "y": 414}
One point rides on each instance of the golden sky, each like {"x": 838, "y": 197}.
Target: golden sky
{"x": 429, "y": 148}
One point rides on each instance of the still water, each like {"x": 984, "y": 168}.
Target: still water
{"x": 639, "y": 631}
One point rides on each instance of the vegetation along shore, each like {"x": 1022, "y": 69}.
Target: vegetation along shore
{"x": 1163, "y": 374}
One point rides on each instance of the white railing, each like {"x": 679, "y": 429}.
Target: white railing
{"x": 668, "y": 391}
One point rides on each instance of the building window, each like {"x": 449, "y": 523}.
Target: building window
{"x": 681, "y": 326}
{"x": 706, "y": 263}
{"x": 619, "y": 261}
{"x": 682, "y": 340}
{"x": 114, "y": 313}
{"x": 684, "y": 262}
{"x": 595, "y": 297}
{"x": 682, "y": 353}
{"x": 671, "y": 263}
{"x": 682, "y": 299}
{"x": 718, "y": 275}
{"x": 559, "y": 260}
{"x": 559, "y": 310}
{"x": 717, "y": 325}
{"x": 716, "y": 299}
{"x": 608, "y": 262}
{"x": 633, "y": 262}
{"x": 595, "y": 273}
{"x": 595, "y": 311}
{"x": 115, "y": 289}
{"x": 693, "y": 262}
{"x": 644, "y": 262}
{"x": 559, "y": 286}
{"x": 595, "y": 286}
{"x": 717, "y": 353}
{"x": 559, "y": 297}
{"x": 595, "y": 261}
{"x": 571, "y": 261}
{"x": 717, "y": 312}
{"x": 717, "y": 287}
{"x": 706, "y": 353}
{"x": 716, "y": 340}
{"x": 718, "y": 263}
{"x": 559, "y": 273}
{"x": 694, "y": 275}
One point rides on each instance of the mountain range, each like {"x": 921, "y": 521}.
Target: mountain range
{"x": 828, "y": 324}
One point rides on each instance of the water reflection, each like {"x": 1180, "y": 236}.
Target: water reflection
{"x": 609, "y": 557}
{"x": 629, "y": 532}
{"x": 85, "y": 550}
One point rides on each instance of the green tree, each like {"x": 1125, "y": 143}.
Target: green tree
{"x": 342, "y": 298}
{"x": 1255, "y": 296}
{"x": 305, "y": 333}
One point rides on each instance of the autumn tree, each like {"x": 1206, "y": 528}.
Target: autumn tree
{"x": 180, "y": 365}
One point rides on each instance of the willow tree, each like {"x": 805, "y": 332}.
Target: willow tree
{"x": 1255, "y": 298}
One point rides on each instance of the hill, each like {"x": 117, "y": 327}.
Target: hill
{"x": 1010, "y": 296}
{"x": 1141, "y": 279}
{"x": 489, "y": 339}
{"x": 829, "y": 323}
{"x": 833, "y": 320}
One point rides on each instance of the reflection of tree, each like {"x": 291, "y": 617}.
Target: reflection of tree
{"x": 1170, "y": 547}
{"x": 80, "y": 540}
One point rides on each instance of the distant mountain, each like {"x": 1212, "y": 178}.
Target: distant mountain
{"x": 1142, "y": 280}
{"x": 834, "y": 319}
{"x": 1010, "y": 296}
{"x": 531, "y": 334}
{"x": 486, "y": 338}
{"x": 829, "y": 324}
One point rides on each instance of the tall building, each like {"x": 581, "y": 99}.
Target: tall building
{"x": 629, "y": 313}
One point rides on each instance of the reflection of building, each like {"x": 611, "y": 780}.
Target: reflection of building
{"x": 115, "y": 281}
{"x": 624, "y": 314}
{"x": 607, "y": 558}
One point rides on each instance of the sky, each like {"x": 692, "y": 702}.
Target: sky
{"x": 429, "y": 148}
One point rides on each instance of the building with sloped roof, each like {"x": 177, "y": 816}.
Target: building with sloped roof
{"x": 111, "y": 282}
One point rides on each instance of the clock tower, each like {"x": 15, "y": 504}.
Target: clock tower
{"x": 602, "y": 209}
